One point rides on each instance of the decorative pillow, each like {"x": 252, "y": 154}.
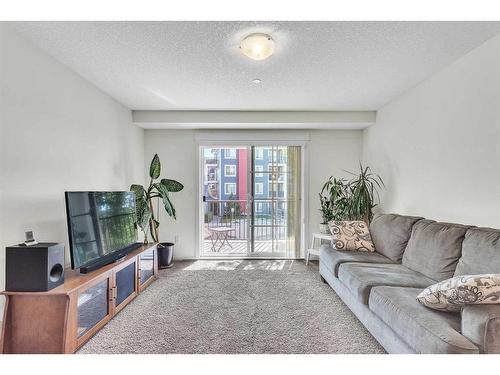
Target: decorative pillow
{"x": 351, "y": 235}
{"x": 452, "y": 294}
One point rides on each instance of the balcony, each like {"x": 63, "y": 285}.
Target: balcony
{"x": 228, "y": 225}
{"x": 212, "y": 161}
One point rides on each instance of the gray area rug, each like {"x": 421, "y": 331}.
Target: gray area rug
{"x": 236, "y": 306}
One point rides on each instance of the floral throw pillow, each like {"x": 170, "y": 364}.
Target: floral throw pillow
{"x": 452, "y": 294}
{"x": 351, "y": 236}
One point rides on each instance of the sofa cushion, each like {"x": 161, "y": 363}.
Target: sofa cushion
{"x": 351, "y": 236}
{"x": 390, "y": 234}
{"x": 480, "y": 252}
{"x": 332, "y": 258}
{"x": 360, "y": 278}
{"x": 425, "y": 330}
{"x": 434, "y": 248}
{"x": 452, "y": 294}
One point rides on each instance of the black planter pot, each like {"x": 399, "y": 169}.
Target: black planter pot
{"x": 165, "y": 255}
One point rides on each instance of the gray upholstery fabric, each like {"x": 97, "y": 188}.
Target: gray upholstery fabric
{"x": 391, "y": 342}
{"x": 383, "y": 295}
{"x": 481, "y": 325}
{"x": 332, "y": 258}
{"x": 480, "y": 252}
{"x": 359, "y": 278}
{"x": 390, "y": 234}
{"x": 425, "y": 330}
{"x": 434, "y": 248}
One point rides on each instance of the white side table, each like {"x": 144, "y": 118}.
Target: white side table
{"x": 313, "y": 250}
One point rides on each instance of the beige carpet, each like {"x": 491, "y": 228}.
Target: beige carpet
{"x": 236, "y": 306}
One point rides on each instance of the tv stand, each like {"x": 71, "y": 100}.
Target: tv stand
{"x": 61, "y": 320}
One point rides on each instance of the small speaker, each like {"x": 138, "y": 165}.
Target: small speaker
{"x": 37, "y": 268}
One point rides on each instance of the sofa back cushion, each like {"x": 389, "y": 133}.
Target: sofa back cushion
{"x": 480, "y": 252}
{"x": 434, "y": 248}
{"x": 390, "y": 234}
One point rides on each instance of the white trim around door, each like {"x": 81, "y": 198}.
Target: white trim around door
{"x": 252, "y": 139}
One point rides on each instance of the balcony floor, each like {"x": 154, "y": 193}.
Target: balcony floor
{"x": 239, "y": 248}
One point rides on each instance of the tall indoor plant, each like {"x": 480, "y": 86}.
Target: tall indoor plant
{"x": 147, "y": 220}
{"x": 363, "y": 191}
{"x": 350, "y": 200}
{"x": 333, "y": 201}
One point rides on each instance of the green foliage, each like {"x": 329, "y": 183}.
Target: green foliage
{"x": 162, "y": 190}
{"x": 209, "y": 216}
{"x": 350, "y": 200}
{"x": 232, "y": 209}
{"x": 172, "y": 185}
{"x": 155, "y": 168}
{"x": 144, "y": 199}
{"x": 363, "y": 190}
{"x": 334, "y": 199}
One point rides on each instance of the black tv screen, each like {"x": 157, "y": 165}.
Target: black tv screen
{"x": 101, "y": 226}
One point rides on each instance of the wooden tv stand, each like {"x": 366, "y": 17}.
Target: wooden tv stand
{"x": 64, "y": 318}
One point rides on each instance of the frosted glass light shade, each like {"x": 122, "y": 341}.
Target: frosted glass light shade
{"x": 257, "y": 46}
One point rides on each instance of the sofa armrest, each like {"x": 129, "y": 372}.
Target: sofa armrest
{"x": 481, "y": 325}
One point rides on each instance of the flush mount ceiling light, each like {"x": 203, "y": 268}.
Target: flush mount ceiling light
{"x": 257, "y": 81}
{"x": 257, "y": 46}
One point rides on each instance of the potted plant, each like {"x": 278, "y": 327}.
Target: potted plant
{"x": 333, "y": 200}
{"x": 349, "y": 200}
{"x": 326, "y": 213}
{"x": 363, "y": 191}
{"x": 146, "y": 218}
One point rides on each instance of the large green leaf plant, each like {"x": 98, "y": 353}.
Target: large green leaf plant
{"x": 363, "y": 192}
{"x": 350, "y": 200}
{"x": 158, "y": 189}
{"x": 334, "y": 199}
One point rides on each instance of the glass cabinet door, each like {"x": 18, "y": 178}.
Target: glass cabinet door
{"x": 125, "y": 280}
{"x": 93, "y": 306}
{"x": 146, "y": 266}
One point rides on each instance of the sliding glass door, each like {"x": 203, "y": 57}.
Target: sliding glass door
{"x": 251, "y": 201}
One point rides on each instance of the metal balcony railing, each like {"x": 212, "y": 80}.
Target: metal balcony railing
{"x": 269, "y": 221}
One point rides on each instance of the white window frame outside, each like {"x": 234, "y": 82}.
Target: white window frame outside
{"x": 259, "y": 207}
{"x": 258, "y": 171}
{"x": 259, "y": 191}
{"x": 228, "y": 153}
{"x": 259, "y": 153}
{"x": 230, "y": 174}
{"x": 226, "y": 185}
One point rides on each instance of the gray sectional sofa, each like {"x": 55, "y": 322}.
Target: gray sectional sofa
{"x": 411, "y": 254}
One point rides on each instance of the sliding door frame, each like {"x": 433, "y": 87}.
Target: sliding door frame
{"x": 226, "y": 140}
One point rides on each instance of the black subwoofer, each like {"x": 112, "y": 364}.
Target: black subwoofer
{"x": 35, "y": 268}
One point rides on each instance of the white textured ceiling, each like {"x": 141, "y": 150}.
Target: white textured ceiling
{"x": 327, "y": 66}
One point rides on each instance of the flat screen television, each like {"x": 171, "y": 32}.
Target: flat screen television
{"x": 101, "y": 227}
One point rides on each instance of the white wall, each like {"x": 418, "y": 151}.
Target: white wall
{"x": 330, "y": 153}
{"x": 58, "y": 133}
{"x": 178, "y": 152}
{"x": 438, "y": 145}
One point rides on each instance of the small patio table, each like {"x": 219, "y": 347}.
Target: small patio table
{"x": 219, "y": 235}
